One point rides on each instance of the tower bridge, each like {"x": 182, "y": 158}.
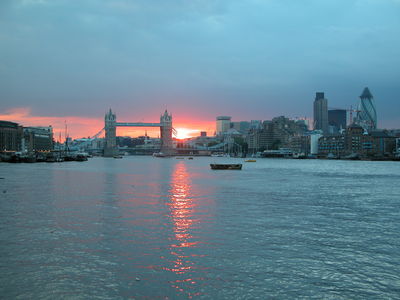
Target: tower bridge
{"x": 111, "y": 124}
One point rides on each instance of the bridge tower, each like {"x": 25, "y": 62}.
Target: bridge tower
{"x": 166, "y": 133}
{"x": 110, "y": 141}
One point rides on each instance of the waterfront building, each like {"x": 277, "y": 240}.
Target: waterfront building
{"x": 337, "y": 119}
{"x": 274, "y": 134}
{"x": 354, "y": 133}
{"x": 300, "y": 144}
{"x": 38, "y": 138}
{"x": 223, "y": 124}
{"x": 375, "y": 143}
{"x": 10, "y": 136}
{"x": 253, "y": 140}
{"x": 315, "y": 136}
{"x": 366, "y": 115}
{"x": 331, "y": 146}
{"x": 321, "y": 113}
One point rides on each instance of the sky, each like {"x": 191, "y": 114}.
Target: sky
{"x": 71, "y": 60}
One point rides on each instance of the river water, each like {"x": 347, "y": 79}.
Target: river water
{"x": 166, "y": 228}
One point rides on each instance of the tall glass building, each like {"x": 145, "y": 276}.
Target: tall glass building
{"x": 366, "y": 115}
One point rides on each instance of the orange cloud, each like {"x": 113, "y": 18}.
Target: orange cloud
{"x": 84, "y": 126}
{"x": 77, "y": 126}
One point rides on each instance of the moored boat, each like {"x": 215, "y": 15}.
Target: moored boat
{"x": 250, "y": 160}
{"x": 81, "y": 157}
{"x": 159, "y": 154}
{"x": 226, "y": 166}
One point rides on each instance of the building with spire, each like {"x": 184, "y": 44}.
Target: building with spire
{"x": 366, "y": 115}
{"x": 166, "y": 133}
{"x": 110, "y": 146}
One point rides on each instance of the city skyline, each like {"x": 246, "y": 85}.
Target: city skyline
{"x": 81, "y": 127}
{"x": 250, "y": 60}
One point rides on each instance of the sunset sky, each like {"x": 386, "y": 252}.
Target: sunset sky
{"x": 66, "y": 60}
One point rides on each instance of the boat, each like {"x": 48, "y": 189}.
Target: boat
{"x": 180, "y": 158}
{"x": 219, "y": 154}
{"x": 226, "y": 166}
{"x": 117, "y": 156}
{"x": 158, "y": 154}
{"x": 81, "y": 157}
{"x": 250, "y": 160}
{"x": 190, "y": 157}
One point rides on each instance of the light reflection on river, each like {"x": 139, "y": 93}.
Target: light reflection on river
{"x": 149, "y": 228}
{"x": 182, "y": 208}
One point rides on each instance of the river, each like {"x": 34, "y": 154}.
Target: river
{"x": 166, "y": 228}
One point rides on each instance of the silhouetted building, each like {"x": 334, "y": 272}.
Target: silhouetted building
{"x": 10, "y": 136}
{"x": 203, "y": 133}
{"x": 38, "y": 138}
{"x": 337, "y": 119}
{"x": 366, "y": 116}
{"x": 321, "y": 113}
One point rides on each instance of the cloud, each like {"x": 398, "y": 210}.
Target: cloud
{"x": 77, "y": 126}
{"x": 80, "y": 57}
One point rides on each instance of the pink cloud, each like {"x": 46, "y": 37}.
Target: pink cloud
{"x": 77, "y": 126}
{"x": 84, "y": 126}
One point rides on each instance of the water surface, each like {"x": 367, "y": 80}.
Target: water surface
{"x": 163, "y": 228}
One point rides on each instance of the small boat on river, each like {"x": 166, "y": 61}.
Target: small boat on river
{"x": 250, "y": 160}
{"x": 159, "y": 154}
{"x": 226, "y": 166}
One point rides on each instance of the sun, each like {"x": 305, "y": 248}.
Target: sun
{"x": 184, "y": 133}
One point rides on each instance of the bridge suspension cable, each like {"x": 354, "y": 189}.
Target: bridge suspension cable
{"x": 90, "y": 139}
{"x": 97, "y": 134}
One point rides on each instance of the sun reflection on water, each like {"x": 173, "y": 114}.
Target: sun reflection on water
{"x": 182, "y": 208}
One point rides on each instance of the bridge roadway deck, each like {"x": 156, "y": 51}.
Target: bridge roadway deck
{"x": 138, "y": 124}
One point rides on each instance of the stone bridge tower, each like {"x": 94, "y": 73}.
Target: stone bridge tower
{"x": 110, "y": 141}
{"x": 166, "y": 133}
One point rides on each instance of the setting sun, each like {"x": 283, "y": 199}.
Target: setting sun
{"x": 184, "y": 133}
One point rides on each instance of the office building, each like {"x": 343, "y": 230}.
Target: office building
{"x": 242, "y": 126}
{"x": 38, "y": 138}
{"x": 223, "y": 124}
{"x": 337, "y": 119}
{"x": 10, "y": 136}
{"x": 366, "y": 115}
{"x": 321, "y": 113}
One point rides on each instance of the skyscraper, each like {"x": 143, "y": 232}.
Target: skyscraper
{"x": 366, "y": 115}
{"x": 321, "y": 112}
